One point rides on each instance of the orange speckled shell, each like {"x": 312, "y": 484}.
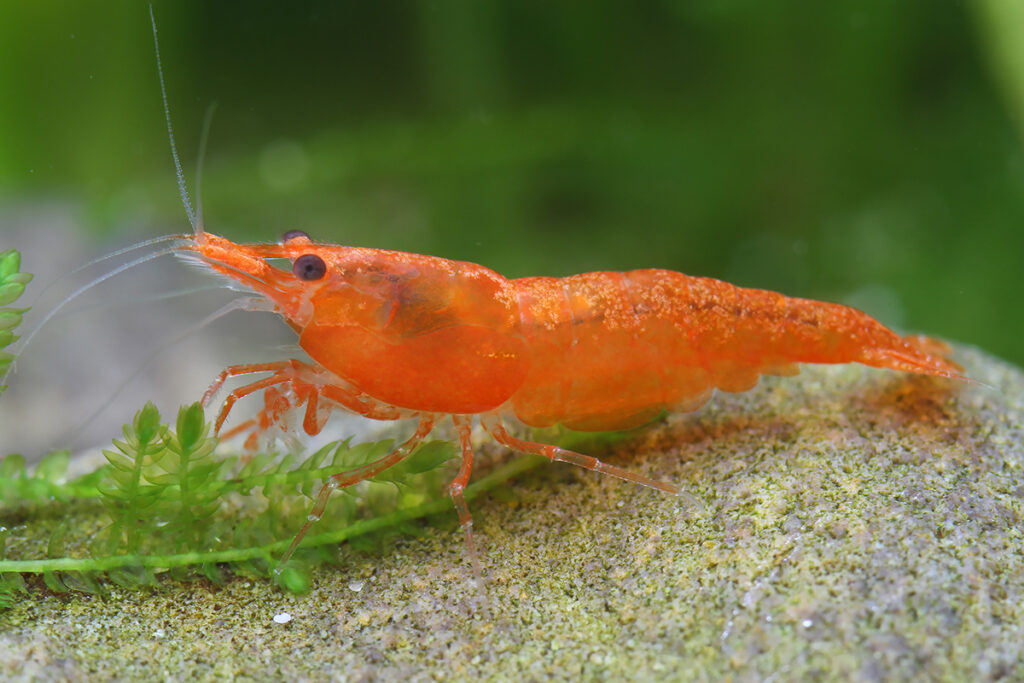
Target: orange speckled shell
{"x": 610, "y": 350}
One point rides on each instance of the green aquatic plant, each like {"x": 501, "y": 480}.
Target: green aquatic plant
{"x": 12, "y": 286}
{"x": 166, "y": 502}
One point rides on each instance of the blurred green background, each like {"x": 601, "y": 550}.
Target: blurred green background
{"x": 865, "y": 152}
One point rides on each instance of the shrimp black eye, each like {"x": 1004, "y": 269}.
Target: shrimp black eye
{"x": 309, "y": 267}
{"x": 294, "y": 235}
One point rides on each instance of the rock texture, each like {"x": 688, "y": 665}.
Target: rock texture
{"x": 845, "y": 524}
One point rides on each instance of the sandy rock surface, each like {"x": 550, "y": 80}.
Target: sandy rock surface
{"x": 845, "y": 524}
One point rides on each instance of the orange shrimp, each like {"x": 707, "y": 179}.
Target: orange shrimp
{"x": 397, "y": 335}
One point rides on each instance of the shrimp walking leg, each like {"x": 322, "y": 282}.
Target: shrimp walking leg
{"x": 272, "y": 402}
{"x": 281, "y": 375}
{"x": 306, "y": 385}
{"x": 276, "y": 402}
{"x": 343, "y": 479}
{"x": 235, "y": 370}
{"x": 464, "y": 426}
{"x": 497, "y": 430}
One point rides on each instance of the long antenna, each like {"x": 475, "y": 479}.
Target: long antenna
{"x": 182, "y": 188}
{"x": 203, "y": 138}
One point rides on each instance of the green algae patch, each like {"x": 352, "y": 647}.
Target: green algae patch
{"x": 845, "y": 523}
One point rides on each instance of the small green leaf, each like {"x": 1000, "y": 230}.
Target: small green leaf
{"x": 191, "y": 426}
{"x": 118, "y": 461}
{"x": 35, "y": 489}
{"x": 181, "y": 573}
{"x": 10, "y": 263}
{"x": 147, "y": 423}
{"x": 10, "y": 586}
{"x": 317, "y": 459}
{"x": 285, "y": 463}
{"x": 9, "y": 320}
{"x": 10, "y": 291}
{"x": 20, "y": 278}
{"x": 171, "y": 463}
{"x": 54, "y": 466}
{"x": 89, "y": 480}
{"x": 132, "y": 577}
{"x": 53, "y": 582}
{"x": 162, "y": 479}
{"x": 55, "y": 546}
{"x": 7, "y": 338}
{"x": 429, "y": 456}
{"x": 213, "y": 572}
{"x": 255, "y": 466}
{"x": 12, "y": 466}
{"x": 112, "y": 492}
{"x": 84, "y": 582}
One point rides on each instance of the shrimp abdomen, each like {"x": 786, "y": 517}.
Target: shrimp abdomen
{"x": 606, "y": 351}
{"x": 610, "y": 350}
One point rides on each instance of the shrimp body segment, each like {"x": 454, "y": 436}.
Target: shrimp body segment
{"x": 398, "y": 335}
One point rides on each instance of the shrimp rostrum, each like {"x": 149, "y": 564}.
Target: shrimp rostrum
{"x": 394, "y": 335}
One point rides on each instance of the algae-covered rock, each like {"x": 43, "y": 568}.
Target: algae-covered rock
{"x": 843, "y": 524}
